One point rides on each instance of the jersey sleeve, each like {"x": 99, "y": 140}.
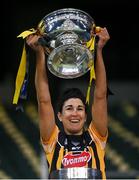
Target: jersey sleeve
{"x": 96, "y": 136}
{"x": 49, "y": 145}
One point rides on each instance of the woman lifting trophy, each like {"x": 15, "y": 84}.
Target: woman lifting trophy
{"x": 65, "y": 41}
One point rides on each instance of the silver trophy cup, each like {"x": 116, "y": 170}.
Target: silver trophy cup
{"x": 65, "y": 33}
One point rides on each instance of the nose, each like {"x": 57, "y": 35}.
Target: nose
{"x": 74, "y": 112}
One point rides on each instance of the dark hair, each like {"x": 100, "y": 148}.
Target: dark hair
{"x": 71, "y": 93}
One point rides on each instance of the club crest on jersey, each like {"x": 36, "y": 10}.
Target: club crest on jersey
{"x": 76, "y": 160}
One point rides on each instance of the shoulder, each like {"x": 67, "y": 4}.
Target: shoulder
{"x": 95, "y": 136}
{"x": 50, "y": 143}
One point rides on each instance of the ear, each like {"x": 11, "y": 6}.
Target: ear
{"x": 59, "y": 116}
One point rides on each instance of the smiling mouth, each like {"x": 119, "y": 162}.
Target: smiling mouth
{"x": 74, "y": 121}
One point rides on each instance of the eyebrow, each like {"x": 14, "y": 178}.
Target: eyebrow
{"x": 72, "y": 106}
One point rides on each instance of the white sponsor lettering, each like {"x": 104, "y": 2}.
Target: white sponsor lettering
{"x": 71, "y": 161}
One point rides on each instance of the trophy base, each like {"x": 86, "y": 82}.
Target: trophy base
{"x": 70, "y": 61}
{"x": 76, "y": 173}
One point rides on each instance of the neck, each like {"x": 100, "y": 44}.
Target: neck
{"x": 74, "y": 133}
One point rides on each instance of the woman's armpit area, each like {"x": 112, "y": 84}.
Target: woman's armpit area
{"x": 93, "y": 130}
{"x": 52, "y": 138}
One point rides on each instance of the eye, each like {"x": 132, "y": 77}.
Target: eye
{"x": 80, "y": 109}
{"x": 69, "y": 108}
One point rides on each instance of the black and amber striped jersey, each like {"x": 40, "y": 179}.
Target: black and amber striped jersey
{"x": 67, "y": 151}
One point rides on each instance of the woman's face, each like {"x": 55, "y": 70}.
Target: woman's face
{"x": 73, "y": 116}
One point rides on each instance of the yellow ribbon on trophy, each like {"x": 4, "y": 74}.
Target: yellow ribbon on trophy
{"x": 22, "y": 67}
{"x": 91, "y": 46}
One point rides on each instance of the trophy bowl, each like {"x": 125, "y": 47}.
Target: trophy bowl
{"x": 65, "y": 33}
